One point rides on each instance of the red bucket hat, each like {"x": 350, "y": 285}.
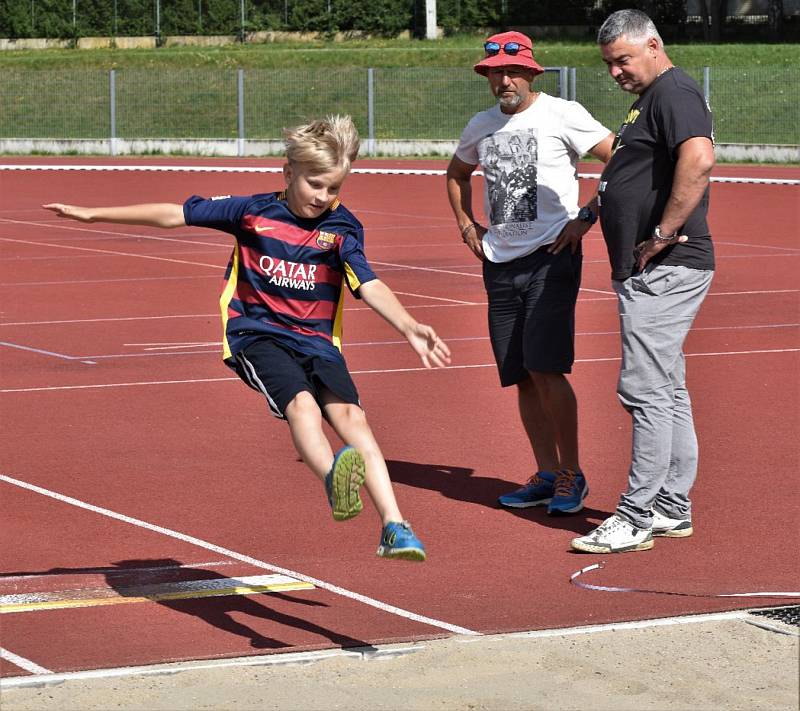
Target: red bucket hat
{"x": 523, "y": 58}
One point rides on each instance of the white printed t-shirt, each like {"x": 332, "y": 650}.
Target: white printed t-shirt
{"x": 529, "y": 161}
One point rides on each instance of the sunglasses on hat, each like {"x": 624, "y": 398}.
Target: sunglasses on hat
{"x": 510, "y": 48}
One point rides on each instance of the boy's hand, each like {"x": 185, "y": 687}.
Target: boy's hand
{"x": 83, "y": 214}
{"x": 431, "y": 349}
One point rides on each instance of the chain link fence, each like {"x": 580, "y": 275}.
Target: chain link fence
{"x": 398, "y": 104}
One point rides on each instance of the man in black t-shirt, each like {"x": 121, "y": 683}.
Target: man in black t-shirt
{"x": 653, "y": 199}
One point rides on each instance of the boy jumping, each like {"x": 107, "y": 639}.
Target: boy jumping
{"x": 281, "y": 305}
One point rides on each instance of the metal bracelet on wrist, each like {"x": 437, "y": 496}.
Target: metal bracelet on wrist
{"x": 663, "y": 239}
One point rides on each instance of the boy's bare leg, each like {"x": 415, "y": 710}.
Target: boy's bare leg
{"x": 350, "y": 423}
{"x": 305, "y": 424}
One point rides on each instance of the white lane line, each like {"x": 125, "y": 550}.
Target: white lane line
{"x": 614, "y": 626}
{"x": 75, "y": 282}
{"x": 387, "y": 651}
{"x": 40, "y": 351}
{"x": 50, "y": 678}
{"x": 754, "y": 292}
{"x": 754, "y": 246}
{"x": 115, "y": 385}
{"x": 112, "y": 319}
{"x": 270, "y": 169}
{"x": 436, "y": 270}
{"x": 435, "y": 298}
{"x": 597, "y": 291}
{"x": 358, "y": 597}
{"x": 380, "y": 371}
{"x": 107, "y": 233}
{"x": 115, "y": 253}
{"x": 22, "y": 663}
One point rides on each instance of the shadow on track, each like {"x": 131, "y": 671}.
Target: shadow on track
{"x": 143, "y": 578}
{"x": 460, "y": 484}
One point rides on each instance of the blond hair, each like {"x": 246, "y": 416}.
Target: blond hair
{"x": 323, "y": 145}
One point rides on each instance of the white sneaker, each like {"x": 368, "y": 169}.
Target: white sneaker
{"x": 671, "y": 527}
{"x": 614, "y": 535}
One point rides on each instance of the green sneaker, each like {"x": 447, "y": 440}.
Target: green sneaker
{"x": 343, "y": 481}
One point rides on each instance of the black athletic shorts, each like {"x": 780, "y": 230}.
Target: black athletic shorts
{"x": 532, "y": 312}
{"x": 279, "y": 373}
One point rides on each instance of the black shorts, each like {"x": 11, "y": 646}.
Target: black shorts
{"x": 279, "y": 373}
{"x": 532, "y": 313}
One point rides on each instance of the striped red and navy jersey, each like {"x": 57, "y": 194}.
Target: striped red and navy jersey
{"x": 286, "y": 276}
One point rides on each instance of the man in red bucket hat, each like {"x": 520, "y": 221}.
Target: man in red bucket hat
{"x": 528, "y": 146}
{"x": 509, "y": 49}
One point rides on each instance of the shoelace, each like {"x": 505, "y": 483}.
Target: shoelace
{"x": 565, "y": 482}
{"x": 610, "y": 524}
{"x": 535, "y": 480}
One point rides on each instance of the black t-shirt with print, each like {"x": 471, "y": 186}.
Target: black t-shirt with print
{"x": 637, "y": 181}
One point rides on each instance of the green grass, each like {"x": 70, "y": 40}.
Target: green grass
{"x": 423, "y": 90}
{"x": 460, "y": 51}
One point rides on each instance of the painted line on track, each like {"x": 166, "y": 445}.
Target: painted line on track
{"x": 46, "y": 677}
{"x": 383, "y": 652}
{"x": 269, "y": 169}
{"x": 114, "y": 253}
{"x": 40, "y": 351}
{"x": 22, "y": 663}
{"x": 381, "y": 371}
{"x": 62, "y": 225}
{"x": 335, "y": 589}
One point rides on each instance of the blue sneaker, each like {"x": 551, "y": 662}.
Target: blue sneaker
{"x": 343, "y": 481}
{"x": 536, "y": 492}
{"x": 399, "y": 541}
{"x": 570, "y": 491}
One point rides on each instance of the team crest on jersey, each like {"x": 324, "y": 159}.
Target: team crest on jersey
{"x": 326, "y": 240}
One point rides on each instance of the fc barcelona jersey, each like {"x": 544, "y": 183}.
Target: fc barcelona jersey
{"x": 286, "y": 276}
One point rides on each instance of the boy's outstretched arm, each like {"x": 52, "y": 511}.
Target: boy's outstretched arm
{"x": 423, "y": 339}
{"x": 155, "y": 214}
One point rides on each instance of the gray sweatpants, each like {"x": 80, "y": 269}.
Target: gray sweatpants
{"x": 656, "y": 311}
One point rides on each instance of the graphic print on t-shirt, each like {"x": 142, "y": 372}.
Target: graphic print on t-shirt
{"x": 508, "y": 159}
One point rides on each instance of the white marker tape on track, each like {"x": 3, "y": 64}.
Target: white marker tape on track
{"x": 349, "y": 594}
{"x": 608, "y": 588}
{"x": 366, "y": 171}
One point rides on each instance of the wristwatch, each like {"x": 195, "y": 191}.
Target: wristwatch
{"x": 659, "y": 237}
{"x": 585, "y": 214}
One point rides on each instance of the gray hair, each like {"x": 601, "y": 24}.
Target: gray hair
{"x": 634, "y": 24}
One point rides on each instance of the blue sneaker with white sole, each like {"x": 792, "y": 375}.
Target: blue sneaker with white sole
{"x": 399, "y": 541}
{"x": 570, "y": 491}
{"x": 343, "y": 481}
{"x": 537, "y": 491}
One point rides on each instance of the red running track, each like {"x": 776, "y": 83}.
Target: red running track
{"x": 115, "y": 396}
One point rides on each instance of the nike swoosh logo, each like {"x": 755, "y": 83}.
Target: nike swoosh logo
{"x": 261, "y": 228}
